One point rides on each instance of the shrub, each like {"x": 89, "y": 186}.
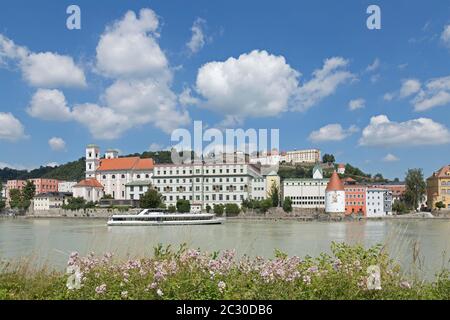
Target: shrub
{"x": 232, "y": 209}
{"x": 287, "y": 205}
{"x": 219, "y": 209}
{"x": 183, "y": 206}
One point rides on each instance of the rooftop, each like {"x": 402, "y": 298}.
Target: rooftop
{"x": 335, "y": 183}
{"x": 89, "y": 183}
{"x": 128, "y": 163}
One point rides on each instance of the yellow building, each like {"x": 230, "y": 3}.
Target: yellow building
{"x": 438, "y": 188}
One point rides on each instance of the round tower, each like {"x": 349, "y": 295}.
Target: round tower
{"x": 335, "y": 195}
{"x": 92, "y": 160}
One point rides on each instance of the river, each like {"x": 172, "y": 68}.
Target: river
{"x": 50, "y": 241}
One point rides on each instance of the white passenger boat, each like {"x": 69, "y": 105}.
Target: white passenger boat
{"x": 160, "y": 218}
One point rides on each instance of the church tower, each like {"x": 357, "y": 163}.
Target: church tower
{"x": 92, "y": 160}
{"x": 335, "y": 195}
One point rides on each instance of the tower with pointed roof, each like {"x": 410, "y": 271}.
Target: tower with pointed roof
{"x": 335, "y": 195}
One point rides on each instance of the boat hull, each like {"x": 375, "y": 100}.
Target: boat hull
{"x": 165, "y": 223}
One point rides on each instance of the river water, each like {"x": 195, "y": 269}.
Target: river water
{"x": 50, "y": 241}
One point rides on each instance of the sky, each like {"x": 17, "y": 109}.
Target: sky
{"x": 138, "y": 70}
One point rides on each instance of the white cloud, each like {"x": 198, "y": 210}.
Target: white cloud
{"x": 374, "y": 66}
{"x": 129, "y": 48}
{"x": 332, "y": 132}
{"x": 57, "y": 144}
{"x": 259, "y": 84}
{"x": 155, "y": 147}
{"x": 52, "y": 164}
{"x": 11, "y": 128}
{"x": 256, "y": 84}
{"x": 49, "y": 105}
{"x": 45, "y": 69}
{"x": 198, "y": 37}
{"x": 324, "y": 83}
{"x": 436, "y": 92}
{"x": 390, "y": 158}
{"x": 409, "y": 87}
{"x": 186, "y": 98}
{"x": 357, "y": 104}
{"x": 383, "y": 132}
{"x": 389, "y": 96}
{"x": 445, "y": 36}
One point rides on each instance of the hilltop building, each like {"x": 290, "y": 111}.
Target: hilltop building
{"x": 341, "y": 168}
{"x": 114, "y": 172}
{"x": 271, "y": 158}
{"x": 438, "y": 188}
{"x": 303, "y": 156}
{"x": 335, "y": 195}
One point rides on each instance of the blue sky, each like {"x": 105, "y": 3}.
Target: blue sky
{"x": 291, "y": 65}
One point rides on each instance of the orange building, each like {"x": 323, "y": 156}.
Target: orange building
{"x": 355, "y": 199}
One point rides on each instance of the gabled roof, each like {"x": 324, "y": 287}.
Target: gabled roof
{"x": 442, "y": 172}
{"x": 93, "y": 183}
{"x": 335, "y": 183}
{"x": 129, "y": 163}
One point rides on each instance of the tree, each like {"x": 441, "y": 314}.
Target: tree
{"x": 152, "y": 199}
{"x": 274, "y": 194}
{"x": 183, "y": 206}
{"x": 440, "y": 205}
{"x": 415, "y": 188}
{"x": 15, "y": 198}
{"x": 28, "y": 193}
{"x": 399, "y": 207}
{"x": 265, "y": 205}
{"x": 75, "y": 204}
{"x": 232, "y": 209}
{"x": 208, "y": 208}
{"x": 287, "y": 205}
{"x": 219, "y": 209}
{"x": 172, "y": 209}
{"x": 328, "y": 158}
{"x": 107, "y": 197}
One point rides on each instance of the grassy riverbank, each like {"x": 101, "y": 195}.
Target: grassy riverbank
{"x": 191, "y": 274}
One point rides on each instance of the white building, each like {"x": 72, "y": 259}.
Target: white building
{"x": 378, "y": 202}
{"x": 66, "y": 186}
{"x": 341, "y": 169}
{"x": 306, "y": 193}
{"x": 114, "y": 172}
{"x": 48, "y": 201}
{"x": 335, "y": 195}
{"x": 89, "y": 190}
{"x": 205, "y": 183}
{"x": 135, "y": 189}
{"x": 3, "y": 192}
{"x": 303, "y": 156}
{"x": 272, "y": 158}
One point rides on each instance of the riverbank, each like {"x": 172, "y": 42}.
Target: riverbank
{"x": 349, "y": 273}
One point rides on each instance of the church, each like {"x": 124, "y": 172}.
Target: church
{"x": 116, "y": 173}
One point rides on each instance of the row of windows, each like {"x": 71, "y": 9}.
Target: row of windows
{"x": 206, "y": 188}
{"x": 199, "y": 180}
{"x": 354, "y": 203}
{"x": 305, "y": 184}
{"x": 307, "y": 198}
{"x": 219, "y": 197}
{"x": 198, "y": 171}
{"x": 355, "y": 190}
{"x": 300, "y": 203}
{"x": 137, "y": 176}
{"x": 354, "y": 196}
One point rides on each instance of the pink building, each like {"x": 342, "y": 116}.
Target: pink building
{"x": 45, "y": 185}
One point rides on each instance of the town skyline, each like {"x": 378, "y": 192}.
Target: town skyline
{"x": 383, "y": 111}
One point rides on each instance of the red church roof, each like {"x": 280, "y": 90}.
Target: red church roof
{"x": 89, "y": 183}
{"x": 335, "y": 183}
{"x": 129, "y": 163}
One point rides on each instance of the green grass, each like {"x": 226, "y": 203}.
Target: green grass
{"x": 192, "y": 274}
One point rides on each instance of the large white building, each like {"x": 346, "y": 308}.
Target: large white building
{"x": 303, "y": 156}
{"x": 114, "y": 173}
{"x": 306, "y": 193}
{"x": 378, "y": 202}
{"x": 205, "y": 183}
{"x": 272, "y": 158}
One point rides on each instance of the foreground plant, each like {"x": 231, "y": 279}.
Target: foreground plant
{"x": 351, "y": 272}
